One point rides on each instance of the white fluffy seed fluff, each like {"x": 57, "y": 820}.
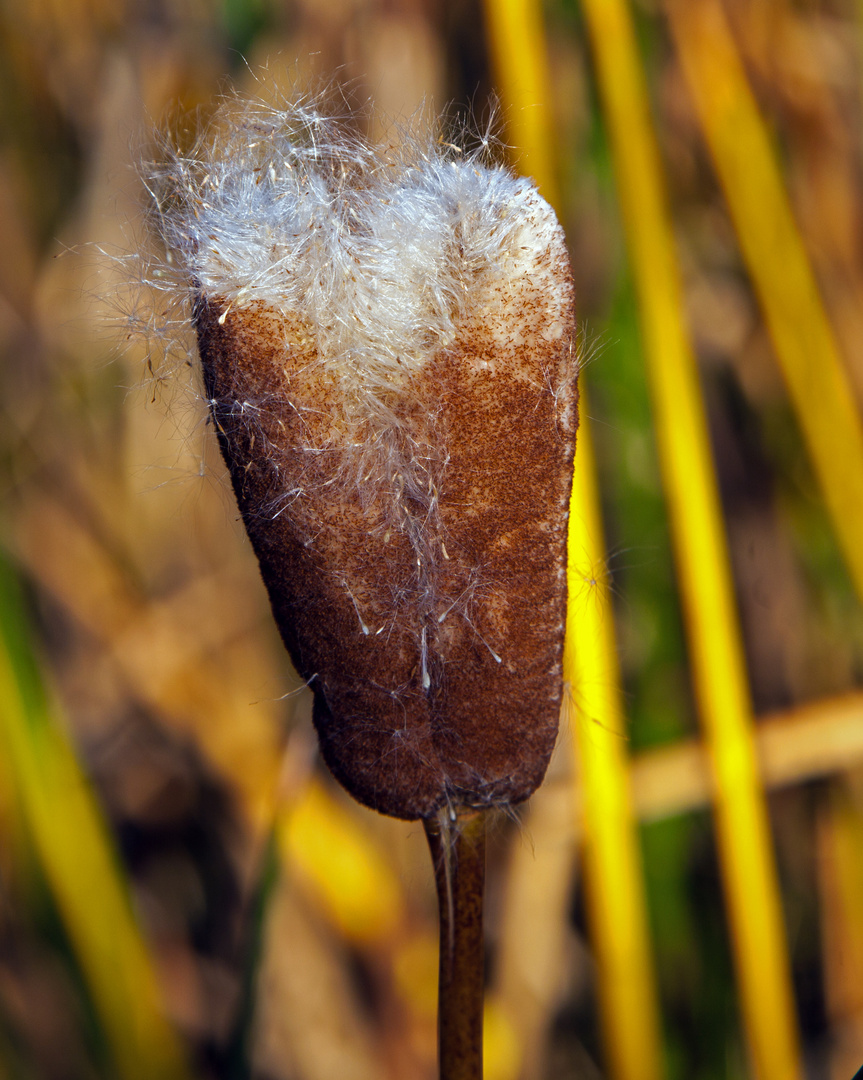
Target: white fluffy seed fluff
{"x": 374, "y": 256}
{"x": 378, "y": 252}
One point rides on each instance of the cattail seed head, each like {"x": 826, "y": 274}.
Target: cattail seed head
{"x": 388, "y": 348}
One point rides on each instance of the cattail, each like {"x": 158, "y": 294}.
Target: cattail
{"x": 388, "y": 349}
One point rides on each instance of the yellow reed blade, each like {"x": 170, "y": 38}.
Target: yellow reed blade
{"x": 348, "y": 874}
{"x": 618, "y": 919}
{"x": 517, "y": 42}
{"x": 749, "y": 874}
{"x": 71, "y": 842}
{"x": 613, "y": 879}
{"x": 802, "y": 337}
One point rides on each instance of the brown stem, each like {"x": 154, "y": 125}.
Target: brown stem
{"x": 458, "y": 853}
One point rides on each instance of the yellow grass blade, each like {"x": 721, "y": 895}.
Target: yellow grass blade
{"x": 627, "y": 994}
{"x": 517, "y": 42}
{"x": 752, "y": 893}
{"x": 350, "y": 877}
{"x": 613, "y": 879}
{"x": 802, "y": 337}
{"x": 72, "y": 844}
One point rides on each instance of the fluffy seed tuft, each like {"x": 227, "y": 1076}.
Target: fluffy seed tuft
{"x": 388, "y": 346}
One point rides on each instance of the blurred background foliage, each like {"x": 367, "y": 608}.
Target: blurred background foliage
{"x": 183, "y": 891}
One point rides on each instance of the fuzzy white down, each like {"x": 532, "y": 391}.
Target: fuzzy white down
{"x": 379, "y": 252}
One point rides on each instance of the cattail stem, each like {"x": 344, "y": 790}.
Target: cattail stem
{"x": 458, "y": 853}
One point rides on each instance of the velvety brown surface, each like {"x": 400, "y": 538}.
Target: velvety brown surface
{"x": 430, "y": 628}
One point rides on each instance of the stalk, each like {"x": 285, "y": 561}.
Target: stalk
{"x": 458, "y": 854}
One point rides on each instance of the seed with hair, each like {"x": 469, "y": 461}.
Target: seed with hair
{"x": 388, "y": 347}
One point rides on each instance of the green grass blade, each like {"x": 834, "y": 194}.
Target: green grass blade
{"x": 72, "y": 844}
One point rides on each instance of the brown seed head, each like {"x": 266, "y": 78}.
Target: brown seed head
{"x": 396, "y": 404}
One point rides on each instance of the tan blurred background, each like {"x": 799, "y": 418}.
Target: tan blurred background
{"x": 154, "y": 631}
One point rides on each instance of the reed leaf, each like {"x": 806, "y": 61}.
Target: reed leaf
{"x": 803, "y": 339}
{"x": 613, "y": 879}
{"x": 70, "y": 838}
{"x": 716, "y": 653}
{"x": 345, "y": 872}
